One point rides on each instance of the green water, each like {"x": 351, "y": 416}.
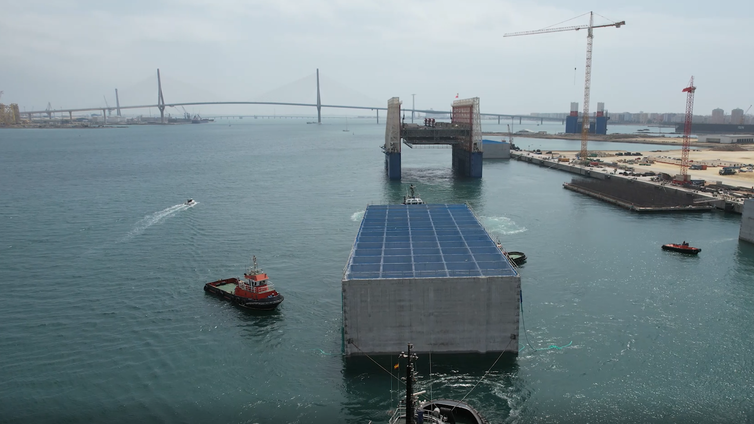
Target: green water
{"x": 103, "y": 317}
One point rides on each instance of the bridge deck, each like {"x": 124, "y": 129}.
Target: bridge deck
{"x": 442, "y": 133}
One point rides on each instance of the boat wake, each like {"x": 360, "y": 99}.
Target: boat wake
{"x": 155, "y": 218}
{"x": 356, "y": 217}
{"x": 501, "y": 225}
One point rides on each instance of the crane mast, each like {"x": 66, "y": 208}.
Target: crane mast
{"x": 690, "y": 90}
{"x": 587, "y": 68}
{"x": 584, "y": 155}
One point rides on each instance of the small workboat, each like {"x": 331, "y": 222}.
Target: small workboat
{"x": 437, "y": 411}
{"x": 190, "y": 202}
{"x": 682, "y": 248}
{"x": 517, "y": 258}
{"x": 412, "y": 198}
{"x": 253, "y": 292}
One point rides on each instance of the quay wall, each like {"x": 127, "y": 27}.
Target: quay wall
{"x": 545, "y": 161}
{"x": 747, "y": 222}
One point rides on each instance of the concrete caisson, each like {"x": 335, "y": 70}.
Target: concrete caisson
{"x": 747, "y": 222}
{"x": 432, "y": 276}
{"x": 496, "y": 149}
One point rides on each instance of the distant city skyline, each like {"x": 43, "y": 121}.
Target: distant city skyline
{"x": 716, "y": 116}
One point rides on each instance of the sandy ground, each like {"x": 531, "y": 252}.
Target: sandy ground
{"x": 668, "y": 161}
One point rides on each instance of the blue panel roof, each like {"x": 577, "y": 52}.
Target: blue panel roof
{"x": 424, "y": 241}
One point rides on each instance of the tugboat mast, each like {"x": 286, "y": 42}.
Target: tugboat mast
{"x": 409, "y": 384}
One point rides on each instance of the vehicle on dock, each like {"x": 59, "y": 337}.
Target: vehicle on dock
{"x": 682, "y": 248}
{"x": 252, "y": 292}
{"x": 412, "y": 198}
{"x": 728, "y": 170}
{"x": 438, "y": 411}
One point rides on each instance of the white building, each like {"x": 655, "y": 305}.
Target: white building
{"x": 727, "y": 138}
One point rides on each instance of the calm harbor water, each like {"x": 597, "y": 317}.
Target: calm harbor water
{"x": 103, "y": 316}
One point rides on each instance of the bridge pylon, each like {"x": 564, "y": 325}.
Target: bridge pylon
{"x": 117, "y": 102}
{"x": 160, "y": 98}
{"x": 319, "y": 101}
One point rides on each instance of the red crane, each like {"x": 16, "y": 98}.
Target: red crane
{"x": 687, "y": 132}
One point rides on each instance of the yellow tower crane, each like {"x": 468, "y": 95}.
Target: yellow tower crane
{"x": 587, "y": 70}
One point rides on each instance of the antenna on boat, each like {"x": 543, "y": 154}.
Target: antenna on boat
{"x": 409, "y": 383}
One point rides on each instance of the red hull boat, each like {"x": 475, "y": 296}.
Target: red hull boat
{"x": 682, "y": 248}
{"x": 252, "y": 292}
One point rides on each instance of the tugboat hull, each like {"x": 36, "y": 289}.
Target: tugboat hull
{"x": 681, "y": 249}
{"x": 225, "y": 290}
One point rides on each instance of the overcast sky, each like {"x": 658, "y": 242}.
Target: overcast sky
{"x": 72, "y": 53}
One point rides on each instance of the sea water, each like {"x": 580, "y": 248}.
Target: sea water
{"x": 103, "y": 317}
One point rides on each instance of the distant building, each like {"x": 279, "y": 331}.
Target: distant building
{"x": 597, "y": 123}
{"x": 718, "y": 116}
{"x": 737, "y": 116}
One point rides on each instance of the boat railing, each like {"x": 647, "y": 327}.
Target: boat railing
{"x": 399, "y": 413}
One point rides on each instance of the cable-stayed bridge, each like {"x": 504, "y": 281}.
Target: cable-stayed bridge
{"x": 161, "y": 105}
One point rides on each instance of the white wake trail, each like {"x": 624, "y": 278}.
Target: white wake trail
{"x": 152, "y": 219}
{"x": 356, "y": 217}
{"x": 502, "y": 225}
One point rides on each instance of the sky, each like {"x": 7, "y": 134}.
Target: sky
{"x": 75, "y": 53}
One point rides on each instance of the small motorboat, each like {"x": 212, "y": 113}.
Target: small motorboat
{"x": 412, "y": 198}
{"x": 517, "y": 257}
{"x": 682, "y": 248}
{"x": 190, "y": 202}
{"x": 253, "y": 292}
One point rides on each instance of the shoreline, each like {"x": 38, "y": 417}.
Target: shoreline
{"x": 617, "y": 138}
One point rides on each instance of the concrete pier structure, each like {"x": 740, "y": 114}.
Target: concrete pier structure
{"x": 463, "y": 134}
{"x": 430, "y": 275}
{"x": 392, "y": 147}
{"x": 747, "y": 222}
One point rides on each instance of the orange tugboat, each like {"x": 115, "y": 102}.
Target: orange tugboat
{"x": 253, "y": 292}
{"x": 682, "y": 248}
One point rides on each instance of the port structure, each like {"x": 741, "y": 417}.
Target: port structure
{"x": 587, "y": 69}
{"x": 463, "y": 134}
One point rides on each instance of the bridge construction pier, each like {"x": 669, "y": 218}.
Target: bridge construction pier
{"x": 463, "y": 134}
{"x": 392, "y": 147}
{"x": 467, "y": 153}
